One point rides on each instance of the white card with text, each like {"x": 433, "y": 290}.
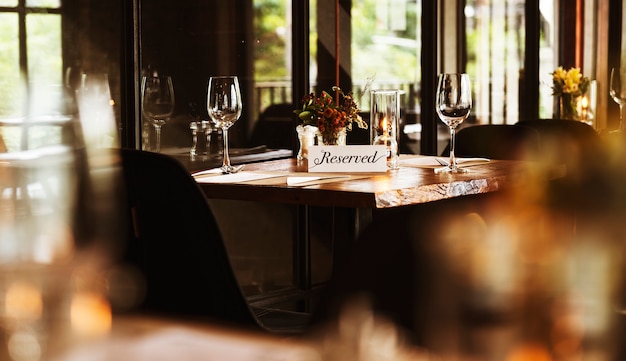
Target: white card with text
{"x": 348, "y": 158}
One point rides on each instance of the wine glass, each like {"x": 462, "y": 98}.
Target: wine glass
{"x": 157, "y": 102}
{"x": 224, "y": 107}
{"x": 618, "y": 93}
{"x": 453, "y": 104}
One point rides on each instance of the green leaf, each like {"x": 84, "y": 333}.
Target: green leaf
{"x": 306, "y": 115}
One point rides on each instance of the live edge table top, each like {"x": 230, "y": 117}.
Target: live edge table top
{"x": 407, "y": 185}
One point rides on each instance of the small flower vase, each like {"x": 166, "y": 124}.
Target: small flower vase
{"x": 332, "y": 138}
{"x": 306, "y": 137}
{"x": 565, "y": 107}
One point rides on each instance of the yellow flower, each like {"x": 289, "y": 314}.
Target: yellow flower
{"x": 569, "y": 82}
{"x": 559, "y": 73}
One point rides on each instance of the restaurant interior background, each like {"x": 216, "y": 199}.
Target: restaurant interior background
{"x": 281, "y": 50}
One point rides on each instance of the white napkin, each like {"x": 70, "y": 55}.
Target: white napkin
{"x": 430, "y": 161}
{"x": 308, "y": 180}
{"x": 206, "y": 177}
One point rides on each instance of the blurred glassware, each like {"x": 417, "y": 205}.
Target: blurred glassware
{"x": 96, "y": 110}
{"x": 617, "y": 90}
{"x": 157, "y": 102}
{"x": 201, "y": 131}
{"x": 59, "y": 223}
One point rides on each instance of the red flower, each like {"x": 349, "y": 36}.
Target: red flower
{"x": 328, "y": 114}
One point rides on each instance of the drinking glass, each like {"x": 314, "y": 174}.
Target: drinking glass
{"x": 224, "y": 107}
{"x": 453, "y": 104}
{"x": 157, "y": 102}
{"x": 618, "y": 93}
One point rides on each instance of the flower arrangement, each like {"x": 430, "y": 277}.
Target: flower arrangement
{"x": 329, "y": 115}
{"x": 567, "y": 87}
{"x": 569, "y": 81}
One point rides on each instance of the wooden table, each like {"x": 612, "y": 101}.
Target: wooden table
{"x": 401, "y": 187}
{"x": 363, "y": 196}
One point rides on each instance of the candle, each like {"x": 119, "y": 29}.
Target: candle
{"x": 584, "y": 104}
{"x": 384, "y": 117}
{"x": 384, "y": 127}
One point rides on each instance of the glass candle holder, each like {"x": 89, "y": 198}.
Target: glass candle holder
{"x": 384, "y": 122}
{"x": 201, "y": 138}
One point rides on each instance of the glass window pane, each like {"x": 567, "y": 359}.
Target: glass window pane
{"x": 390, "y": 30}
{"x": 492, "y": 26}
{"x": 43, "y": 40}
{"x": 272, "y": 54}
{"x": 547, "y": 60}
{"x": 9, "y": 3}
{"x": 9, "y": 65}
{"x": 43, "y": 3}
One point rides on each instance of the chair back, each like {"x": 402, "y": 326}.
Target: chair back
{"x": 275, "y": 128}
{"x": 496, "y": 141}
{"x": 573, "y": 143}
{"x": 176, "y": 243}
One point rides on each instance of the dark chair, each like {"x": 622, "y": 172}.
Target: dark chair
{"x": 566, "y": 141}
{"x": 176, "y": 244}
{"x": 275, "y": 128}
{"x": 578, "y": 147}
{"x": 496, "y": 141}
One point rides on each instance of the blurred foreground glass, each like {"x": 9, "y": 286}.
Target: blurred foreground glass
{"x": 522, "y": 281}
{"x": 95, "y": 105}
{"x": 59, "y": 224}
{"x": 385, "y": 122}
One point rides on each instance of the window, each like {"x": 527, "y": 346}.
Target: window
{"x": 30, "y": 63}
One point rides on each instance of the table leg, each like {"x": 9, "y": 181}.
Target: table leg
{"x": 302, "y": 251}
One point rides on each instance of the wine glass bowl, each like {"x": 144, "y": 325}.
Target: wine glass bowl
{"x": 617, "y": 90}
{"x": 453, "y": 104}
{"x": 157, "y": 102}
{"x": 224, "y": 106}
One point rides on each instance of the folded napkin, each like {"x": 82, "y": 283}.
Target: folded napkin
{"x": 260, "y": 178}
{"x": 434, "y": 162}
{"x": 312, "y": 180}
{"x": 211, "y": 176}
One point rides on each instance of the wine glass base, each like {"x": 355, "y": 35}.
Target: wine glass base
{"x": 228, "y": 169}
{"x": 448, "y": 169}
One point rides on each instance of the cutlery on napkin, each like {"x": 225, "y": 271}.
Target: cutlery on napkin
{"x": 311, "y": 180}
{"x": 431, "y": 161}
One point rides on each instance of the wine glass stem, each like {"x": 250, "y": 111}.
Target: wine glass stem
{"x": 226, "y": 162}
{"x": 452, "y": 144}
{"x": 621, "y": 117}
{"x": 157, "y": 132}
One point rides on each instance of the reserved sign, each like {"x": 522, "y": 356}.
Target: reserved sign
{"x": 347, "y": 158}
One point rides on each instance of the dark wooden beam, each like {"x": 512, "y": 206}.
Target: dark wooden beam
{"x": 428, "y": 142}
{"x": 529, "y": 79}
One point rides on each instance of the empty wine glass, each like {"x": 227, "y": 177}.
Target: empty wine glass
{"x": 157, "y": 102}
{"x": 453, "y": 104}
{"x": 224, "y": 107}
{"x": 618, "y": 92}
